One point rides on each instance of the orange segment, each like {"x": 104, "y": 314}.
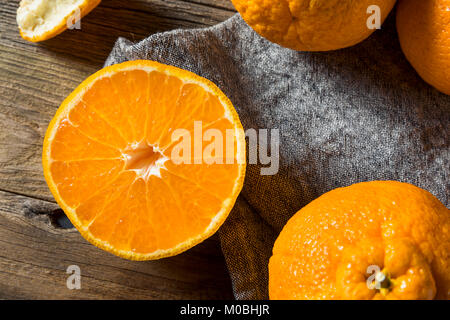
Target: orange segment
{"x": 70, "y": 143}
{"x": 213, "y": 178}
{"x": 86, "y": 119}
{"x": 109, "y": 159}
{"x": 164, "y": 103}
{"x": 76, "y": 179}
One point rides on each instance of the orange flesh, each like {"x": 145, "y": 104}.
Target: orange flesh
{"x": 110, "y": 160}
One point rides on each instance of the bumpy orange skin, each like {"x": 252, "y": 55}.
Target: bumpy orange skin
{"x": 311, "y": 25}
{"x": 424, "y": 32}
{"x": 85, "y": 8}
{"x": 325, "y": 249}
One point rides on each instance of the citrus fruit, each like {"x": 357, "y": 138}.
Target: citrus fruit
{"x": 306, "y": 25}
{"x": 113, "y": 160}
{"x": 371, "y": 240}
{"x": 40, "y": 20}
{"x": 424, "y": 31}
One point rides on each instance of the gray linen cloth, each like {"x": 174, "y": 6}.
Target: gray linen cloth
{"x": 346, "y": 116}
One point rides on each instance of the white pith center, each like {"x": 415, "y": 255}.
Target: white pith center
{"x": 144, "y": 159}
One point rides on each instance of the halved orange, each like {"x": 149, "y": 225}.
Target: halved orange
{"x": 40, "y": 20}
{"x": 114, "y": 164}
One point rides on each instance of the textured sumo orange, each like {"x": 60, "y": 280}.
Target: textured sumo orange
{"x": 307, "y": 25}
{"x": 424, "y": 32}
{"x": 107, "y": 159}
{"x": 325, "y": 249}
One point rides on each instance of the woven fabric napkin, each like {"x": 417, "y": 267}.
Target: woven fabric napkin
{"x": 346, "y": 116}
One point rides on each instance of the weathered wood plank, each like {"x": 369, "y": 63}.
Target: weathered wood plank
{"x": 34, "y": 256}
{"x": 34, "y": 80}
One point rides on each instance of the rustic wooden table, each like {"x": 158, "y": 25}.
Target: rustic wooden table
{"x": 35, "y": 248}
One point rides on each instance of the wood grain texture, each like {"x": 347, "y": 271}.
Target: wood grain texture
{"x": 34, "y": 79}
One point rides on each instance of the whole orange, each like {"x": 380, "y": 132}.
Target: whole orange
{"x": 318, "y": 25}
{"x": 117, "y": 159}
{"x": 424, "y": 32}
{"x": 371, "y": 240}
